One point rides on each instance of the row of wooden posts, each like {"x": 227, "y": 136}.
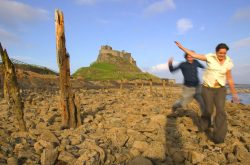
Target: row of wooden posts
{"x": 150, "y": 84}
{"x": 69, "y": 105}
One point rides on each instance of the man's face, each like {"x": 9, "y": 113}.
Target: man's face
{"x": 221, "y": 54}
{"x": 189, "y": 58}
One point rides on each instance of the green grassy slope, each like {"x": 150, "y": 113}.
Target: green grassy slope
{"x": 111, "y": 71}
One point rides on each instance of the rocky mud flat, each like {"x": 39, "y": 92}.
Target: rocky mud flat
{"x": 120, "y": 127}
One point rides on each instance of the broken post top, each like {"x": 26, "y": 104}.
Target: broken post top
{"x": 1, "y": 49}
{"x": 60, "y": 35}
{"x": 59, "y": 16}
{"x": 2, "y": 53}
{"x": 5, "y": 59}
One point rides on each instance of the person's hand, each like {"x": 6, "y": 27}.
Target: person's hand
{"x": 178, "y": 44}
{"x": 235, "y": 99}
{"x": 170, "y": 61}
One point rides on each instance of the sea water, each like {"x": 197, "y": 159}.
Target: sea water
{"x": 244, "y": 97}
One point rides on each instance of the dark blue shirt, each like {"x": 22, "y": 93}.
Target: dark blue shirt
{"x": 189, "y": 71}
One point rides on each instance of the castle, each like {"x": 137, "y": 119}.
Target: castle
{"x": 106, "y": 51}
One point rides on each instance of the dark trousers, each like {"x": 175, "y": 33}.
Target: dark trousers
{"x": 215, "y": 97}
{"x": 187, "y": 96}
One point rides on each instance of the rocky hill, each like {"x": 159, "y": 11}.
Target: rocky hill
{"x": 30, "y": 67}
{"x": 112, "y": 65}
{"x": 29, "y": 75}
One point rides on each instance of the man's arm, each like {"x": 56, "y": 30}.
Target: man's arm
{"x": 231, "y": 86}
{"x": 200, "y": 65}
{"x": 191, "y": 53}
{"x": 170, "y": 65}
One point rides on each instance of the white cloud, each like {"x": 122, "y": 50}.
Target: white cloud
{"x": 14, "y": 13}
{"x": 242, "y": 14}
{"x": 241, "y": 43}
{"x": 14, "y": 16}
{"x": 159, "y": 7}
{"x": 7, "y": 37}
{"x": 159, "y": 68}
{"x": 184, "y": 25}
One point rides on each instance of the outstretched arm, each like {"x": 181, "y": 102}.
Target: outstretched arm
{"x": 170, "y": 65}
{"x": 191, "y": 53}
{"x": 200, "y": 65}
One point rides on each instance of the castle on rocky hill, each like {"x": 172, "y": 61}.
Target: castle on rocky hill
{"x": 106, "y": 52}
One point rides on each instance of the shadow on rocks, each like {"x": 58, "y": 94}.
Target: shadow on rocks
{"x": 173, "y": 140}
{"x": 202, "y": 126}
{"x": 174, "y": 144}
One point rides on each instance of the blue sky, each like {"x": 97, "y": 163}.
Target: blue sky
{"x": 146, "y": 28}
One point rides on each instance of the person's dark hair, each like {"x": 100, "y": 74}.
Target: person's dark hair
{"x": 185, "y": 54}
{"x": 221, "y": 46}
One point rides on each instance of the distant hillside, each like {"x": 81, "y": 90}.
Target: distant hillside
{"x": 30, "y": 67}
{"x": 36, "y": 69}
{"x": 32, "y": 76}
{"x": 112, "y": 65}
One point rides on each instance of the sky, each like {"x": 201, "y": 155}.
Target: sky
{"x": 145, "y": 28}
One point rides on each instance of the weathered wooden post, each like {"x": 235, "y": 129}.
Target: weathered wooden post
{"x": 107, "y": 85}
{"x": 164, "y": 88}
{"x": 78, "y": 107}
{"x": 5, "y": 89}
{"x": 151, "y": 87}
{"x": 11, "y": 89}
{"x": 141, "y": 83}
{"x": 136, "y": 84}
{"x": 121, "y": 85}
{"x": 170, "y": 89}
{"x": 67, "y": 104}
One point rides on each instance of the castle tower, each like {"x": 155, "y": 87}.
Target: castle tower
{"x": 106, "y": 52}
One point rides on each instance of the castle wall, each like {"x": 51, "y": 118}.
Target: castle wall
{"x": 108, "y": 50}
